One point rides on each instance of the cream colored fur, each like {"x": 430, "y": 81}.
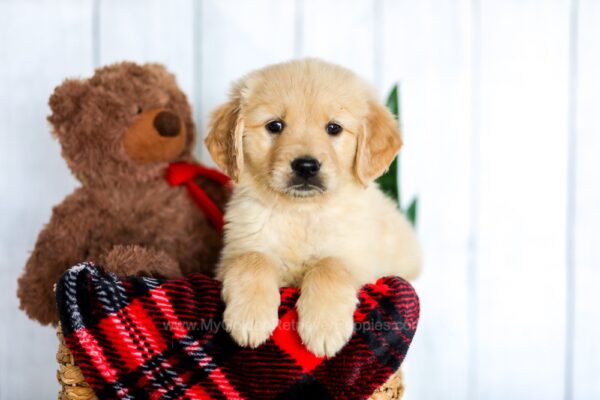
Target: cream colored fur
{"x": 327, "y": 242}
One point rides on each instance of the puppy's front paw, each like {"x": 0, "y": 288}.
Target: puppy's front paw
{"x": 250, "y": 321}
{"x": 325, "y": 328}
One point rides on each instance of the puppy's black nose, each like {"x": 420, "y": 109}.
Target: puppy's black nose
{"x": 306, "y": 167}
{"x": 167, "y": 124}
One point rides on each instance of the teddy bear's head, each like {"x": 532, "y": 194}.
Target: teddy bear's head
{"x": 122, "y": 125}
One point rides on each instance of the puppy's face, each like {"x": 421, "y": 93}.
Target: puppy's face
{"x": 300, "y": 135}
{"x": 303, "y": 129}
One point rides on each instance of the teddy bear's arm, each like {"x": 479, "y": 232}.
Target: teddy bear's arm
{"x": 141, "y": 261}
{"x": 61, "y": 244}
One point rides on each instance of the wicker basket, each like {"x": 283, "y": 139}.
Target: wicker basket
{"x": 70, "y": 378}
{"x": 74, "y": 387}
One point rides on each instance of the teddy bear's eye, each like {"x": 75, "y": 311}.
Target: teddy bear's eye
{"x": 139, "y": 109}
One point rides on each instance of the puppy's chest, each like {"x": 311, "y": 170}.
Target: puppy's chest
{"x": 293, "y": 237}
{"x": 298, "y": 236}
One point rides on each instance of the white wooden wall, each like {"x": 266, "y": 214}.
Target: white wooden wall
{"x": 500, "y": 109}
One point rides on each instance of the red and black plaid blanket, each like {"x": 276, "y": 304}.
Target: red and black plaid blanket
{"x": 143, "y": 338}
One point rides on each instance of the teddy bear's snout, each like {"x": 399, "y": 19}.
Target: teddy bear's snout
{"x": 167, "y": 124}
{"x": 155, "y": 135}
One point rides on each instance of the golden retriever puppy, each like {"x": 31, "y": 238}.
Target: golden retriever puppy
{"x": 303, "y": 142}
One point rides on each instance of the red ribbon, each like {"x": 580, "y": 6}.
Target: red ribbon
{"x": 183, "y": 173}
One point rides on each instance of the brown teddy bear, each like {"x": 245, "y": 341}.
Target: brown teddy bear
{"x": 119, "y": 131}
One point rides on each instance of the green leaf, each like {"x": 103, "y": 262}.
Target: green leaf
{"x": 411, "y": 211}
{"x": 388, "y": 182}
{"x": 393, "y": 102}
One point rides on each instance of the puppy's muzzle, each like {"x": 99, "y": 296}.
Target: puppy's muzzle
{"x": 306, "y": 167}
{"x": 306, "y": 180}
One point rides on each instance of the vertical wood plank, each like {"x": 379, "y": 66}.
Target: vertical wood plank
{"x": 521, "y": 259}
{"x": 41, "y": 43}
{"x": 426, "y": 48}
{"x": 237, "y": 37}
{"x": 150, "y": 31}
{"x": 341, "y": 31}
{"x": 586, "y": 366}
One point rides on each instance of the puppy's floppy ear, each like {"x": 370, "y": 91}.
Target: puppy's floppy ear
{"x": 224, "y": 140}
{"x": 378, "y": 143}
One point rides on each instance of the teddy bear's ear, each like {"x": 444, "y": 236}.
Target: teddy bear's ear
{"x": 156, "y": 68}
{"x": 65, "y": 101}
{"x": 161, "y": 72}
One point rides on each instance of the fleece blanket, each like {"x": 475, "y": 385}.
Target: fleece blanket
{"x": 144, "y": 338}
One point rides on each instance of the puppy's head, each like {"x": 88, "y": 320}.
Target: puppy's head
{"x": 303, "y": 129}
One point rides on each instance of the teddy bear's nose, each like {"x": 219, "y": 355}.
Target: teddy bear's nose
{"x": 167, "y": 124}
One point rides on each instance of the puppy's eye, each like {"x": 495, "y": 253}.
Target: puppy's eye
{"x": 275, "y": 126}
{"x": 333, "y": 129}
{"x": 139, "y": 109}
